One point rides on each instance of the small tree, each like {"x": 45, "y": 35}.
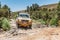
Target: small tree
{"x": 6, "y": 11}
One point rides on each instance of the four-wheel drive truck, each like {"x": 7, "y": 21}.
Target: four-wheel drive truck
{"x": 24, "y": 20}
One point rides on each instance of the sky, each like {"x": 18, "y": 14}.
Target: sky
{"x": 17, "y": 5}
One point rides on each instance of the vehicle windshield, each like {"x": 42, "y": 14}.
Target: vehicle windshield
{"x": 24, "y": 15}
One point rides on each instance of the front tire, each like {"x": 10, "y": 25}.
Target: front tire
{"x": 18, "y": 26}
{"x": 30, "y": 26}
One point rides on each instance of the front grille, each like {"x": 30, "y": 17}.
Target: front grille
{"x": 24, "y": 20}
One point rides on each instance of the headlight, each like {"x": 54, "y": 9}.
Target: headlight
{"x": 19, "y": 20}
{"x": 30, "y": 20}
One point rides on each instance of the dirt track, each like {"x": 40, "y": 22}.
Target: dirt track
{"x": 31, "y": 34}
{"x": 34, "y": 34}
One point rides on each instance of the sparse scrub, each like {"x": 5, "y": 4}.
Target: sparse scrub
{"x": 45, "y": 15}
{"x": 5, "y": 15}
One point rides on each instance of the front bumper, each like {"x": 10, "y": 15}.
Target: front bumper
{"x": 24, "y": 24}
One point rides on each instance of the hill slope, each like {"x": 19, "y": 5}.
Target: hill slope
{"x": 49, "y": 6}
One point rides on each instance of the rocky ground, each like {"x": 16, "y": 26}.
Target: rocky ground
{"x": 36, "y": 33}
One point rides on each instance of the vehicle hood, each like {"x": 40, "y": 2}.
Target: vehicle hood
{"x": 24, "y": 18}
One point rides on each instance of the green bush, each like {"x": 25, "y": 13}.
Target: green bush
{"x": 5, "y": 24}
{"x": 53, "y": 21}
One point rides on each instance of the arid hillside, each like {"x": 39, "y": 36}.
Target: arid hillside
{"x": 50, "y": 6}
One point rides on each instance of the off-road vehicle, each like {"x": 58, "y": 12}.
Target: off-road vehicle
{"x": 24, "y": 20}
